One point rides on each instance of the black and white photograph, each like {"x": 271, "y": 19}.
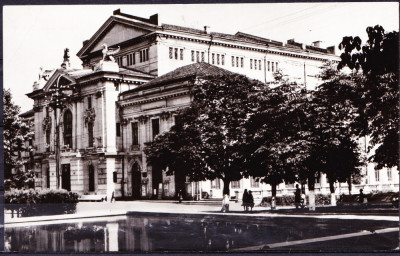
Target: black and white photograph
{"x": 201, "y": 128}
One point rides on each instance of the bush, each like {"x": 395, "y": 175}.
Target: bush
{"x": 31, "y": 202}
{"x": 320, "y": 199}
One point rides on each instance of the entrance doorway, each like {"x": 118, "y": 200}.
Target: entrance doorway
{"x": 156, "y": 173}
{"x": 91, "y": 178}
{"x": 66, "y": 177}
{"x": 136, "y": 180}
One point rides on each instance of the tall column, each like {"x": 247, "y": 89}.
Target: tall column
{"x": 110, "y": 167}
{"x": 109, "y": 108}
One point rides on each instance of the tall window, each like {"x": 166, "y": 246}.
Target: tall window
{"x": 197, "y": 56}
{"x": 254, "y": 183}
{"x": 155, "y": 125}
{"x": 202, "y": 56}
{"x": 216, "y": 184}
{"x": 389, "y": 174}
{"x": 131, "y": 59}
{"x": 193, "y": 56}
{"x": 251, "y": 63}
{"x": 377, "y": 175}
{"x": 259, "y": 64}
{"x": 217, "y": 59}
{"x": 135, "y": 134}
{"x": 235, "y": 184}
{"x": 68, "y": 128}
{"x": 213, "y": 58}
{"x": 48, "y": 130}
{"x": 90, "y": 134}
{"x": 48, "y": 177}
{"x": 222, "y": 59}
{"x": 118, "y": 129}
{"x": 233, "y": 61}
{"x": 237, "y": 61}
{"x": 241, "y": 62}
{"x": 91, "y": 178}
{"x": 268, "y": 65}
{"x": 170, "y": 52}
{"x": 181, "y": 54}
{"x": 176, "y": 53}
{"x": 276, "y": 66}
{"x": 144, "y": 55}
{"x": 272, "y": 66}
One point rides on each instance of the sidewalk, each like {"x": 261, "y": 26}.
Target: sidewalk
{"x": 95, "y": 210}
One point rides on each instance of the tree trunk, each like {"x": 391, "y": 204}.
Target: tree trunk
{"x": 273, "y": 199}
{"x": 332, "y": 189}
{"x": 226, "y": 187}
{"x": 311, "y": 193}
{"x": 349, "y": 184}
{"x": 225, "y": 201}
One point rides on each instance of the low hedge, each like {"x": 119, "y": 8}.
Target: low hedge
{"x": 31, "y": 202}
{"x": 320, "y": 199}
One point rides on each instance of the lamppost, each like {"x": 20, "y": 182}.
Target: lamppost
{"x": 59, "y": 95}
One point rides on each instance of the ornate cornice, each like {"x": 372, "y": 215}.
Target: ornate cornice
{"x": 142, "y": 119}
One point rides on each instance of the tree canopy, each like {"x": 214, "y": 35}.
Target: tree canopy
{"x": 378, "y": 91}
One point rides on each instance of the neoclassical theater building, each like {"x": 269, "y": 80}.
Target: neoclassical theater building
{"x": 119, "y": 105}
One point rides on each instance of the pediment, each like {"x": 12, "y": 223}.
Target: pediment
{"x": 59, "y": 77}
{"x": 117, "y": 34}
{"x": 114, "y": 31}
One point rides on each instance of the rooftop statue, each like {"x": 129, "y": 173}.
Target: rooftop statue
{"x": 109, "y": 52}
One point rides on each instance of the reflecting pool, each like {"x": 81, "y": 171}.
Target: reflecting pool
{"x": 147, "y": 233}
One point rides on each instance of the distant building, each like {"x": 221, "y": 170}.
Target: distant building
{"x": 118, "y": 107}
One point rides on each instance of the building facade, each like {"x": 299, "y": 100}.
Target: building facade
{"x": 114, "y": 108}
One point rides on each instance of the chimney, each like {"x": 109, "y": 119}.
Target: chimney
{"x": 331, "y": 49}
{"x": 154, "y": 19}
{"x": 317, "y": 43}
{"x": 206, "y": 29}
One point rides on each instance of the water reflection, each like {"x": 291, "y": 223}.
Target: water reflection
{"x": 145, "y": 234}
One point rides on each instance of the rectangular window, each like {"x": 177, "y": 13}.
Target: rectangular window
{"x": 90, "y": 134}
{"x": 235, "y": 184}
{"x": 268, "y": 65}
{"x": 216, "y": 184}
{"x": 193, "y": 56}
{"x": 115, "y": 176}
{"x": 135, "y": 134}
{"x": 217, "y": 59}
{"x": 176, "y": 53}
{"x": 259, "y": 64}
{"x": 155, "y": 125}
{"x": 202, "y": 56}
{"x": 276, "y": 66}
{"x": 237, "y": 61}
{"x": 170, "y": 52}
{"x": 89, "y": 100}
{"x": 272, "y": 66}
{"x": 181, "y": 55}
{"x": 141, "y": 56}
{"x": 118, "y": 129}
{"x": 197, "y": 56}
{"x": 233, "y": 61}
{"x": 254, "y": 183}
{"x": 222, "y": 60}
{"x": 251, "y": 63}
{"x": 377, "y": 175}
{"x": 389, "y": 174}
{"x": 144, "y": 55}
{"x": 48, "y": 177}
{"x": 147, "y": 54}
{"x": 213, "y": 58}
{"x": 241, "y": 62}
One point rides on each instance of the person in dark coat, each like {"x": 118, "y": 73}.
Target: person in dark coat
{"x": 245, "y": 199}
{"x": 297, "y": 196}
{"x": 250, "y": 200}
{"x": 361, "y": 199}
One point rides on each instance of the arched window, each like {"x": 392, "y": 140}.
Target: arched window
{"x": 68, "y": 128}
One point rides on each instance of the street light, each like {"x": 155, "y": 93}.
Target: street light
{"x": 59, "y": 94}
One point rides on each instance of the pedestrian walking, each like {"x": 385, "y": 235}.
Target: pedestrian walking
{"x": 245, "y": 198}
{"x": 297, "y": 196}
{"x": 250, "y": 200}
{"x": 180, "y": 196}
{"x": 361, "y": 198}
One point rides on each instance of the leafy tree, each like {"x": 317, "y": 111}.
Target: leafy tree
{"x": 15, "y": 134}
{"x": 379, "y": 91}
{"x": 211, "y": 140}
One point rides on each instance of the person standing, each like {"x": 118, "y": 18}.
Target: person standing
{"x": 361, "y": 199}
{"x": 297, "y": 196}
{"x": 250, "y": 200}
{"x": 245, "y": 200}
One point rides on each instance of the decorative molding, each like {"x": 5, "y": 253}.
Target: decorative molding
{"x": 46, "y": 123}
{"x": 142, "y": 119}
{"x": 165, "y": 115}
{"x": 89, "y": 116}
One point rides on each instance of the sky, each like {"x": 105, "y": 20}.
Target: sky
{"x": 36, "y": 36}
